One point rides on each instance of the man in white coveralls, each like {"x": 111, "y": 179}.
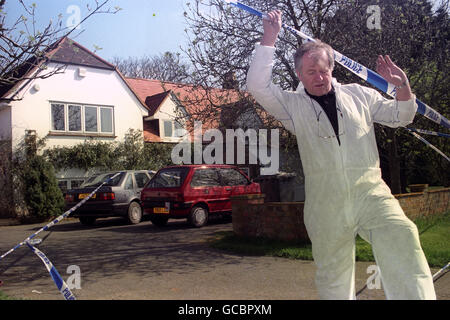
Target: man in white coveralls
{"x": 345, "y": 194}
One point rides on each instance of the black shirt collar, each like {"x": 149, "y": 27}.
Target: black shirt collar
{"x": 329, "y": 95}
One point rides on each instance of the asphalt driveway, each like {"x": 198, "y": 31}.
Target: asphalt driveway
{"x": 120, "y": 261}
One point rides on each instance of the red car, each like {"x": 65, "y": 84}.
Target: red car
{"x": 194, "y": 192}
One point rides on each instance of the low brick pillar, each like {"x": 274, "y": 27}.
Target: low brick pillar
{"x": 274, "y": 220}
{"x": 245, "y": 210}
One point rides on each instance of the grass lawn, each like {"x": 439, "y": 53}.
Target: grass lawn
{"x": 5, "y": 297}
{"x": 434, "y": 236}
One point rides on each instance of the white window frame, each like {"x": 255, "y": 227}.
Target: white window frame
{"x": 174, "y": 129}
{"x": 83, "y": 130}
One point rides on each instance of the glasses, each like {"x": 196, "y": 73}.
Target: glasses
{"x": 321, "y": 131}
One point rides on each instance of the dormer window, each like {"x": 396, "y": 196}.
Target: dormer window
{"x": 173, "y": 129}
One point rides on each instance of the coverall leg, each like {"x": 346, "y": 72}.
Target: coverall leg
{"x": 405, "y": 273}
{"x": 370, "y": 210}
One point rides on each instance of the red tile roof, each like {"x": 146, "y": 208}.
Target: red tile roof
{"x": 206, "y": 105}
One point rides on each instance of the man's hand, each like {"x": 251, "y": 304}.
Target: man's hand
{"x": 393, "y": 74}
{"x": 272, "y": 26}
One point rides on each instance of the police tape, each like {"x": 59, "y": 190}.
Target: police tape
{"x": 431, "y": 133}
{"x": 364, "y": 73}
{"x": 435, "y": 276}
{"x": 361, "y": 71}
{"x": 60, "y": 283}
{"x": 58, "y": 219}
{"x": 429, "y": 144}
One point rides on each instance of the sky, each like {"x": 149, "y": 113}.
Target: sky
{"x": 142, "y": 27}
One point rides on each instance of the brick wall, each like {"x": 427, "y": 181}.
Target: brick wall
{"x": 424, "y": 204}
{"x": 274, "y": 220}
{"x": 284, "y": 220}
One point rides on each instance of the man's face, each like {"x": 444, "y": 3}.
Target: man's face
{"x": 315, "y": 74}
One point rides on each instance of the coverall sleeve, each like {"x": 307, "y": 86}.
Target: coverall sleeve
{"x": 259, "y": 83}
{"x": 390, "y": 112}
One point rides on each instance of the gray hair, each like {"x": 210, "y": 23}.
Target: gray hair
{"x": 311, "y": 46}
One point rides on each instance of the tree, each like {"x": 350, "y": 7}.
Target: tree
{"x": 36, "y": 189}
{"x": 222, "y": 39}
{"x": 165, "y": 67}
{"x": 23, "y": 46}
{"x": 423, "y": 54}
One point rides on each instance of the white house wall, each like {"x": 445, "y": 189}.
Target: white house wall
{"x": 167, "y": 111}
{"x": 99, "y": 87}
{"x": 5, "y": 122}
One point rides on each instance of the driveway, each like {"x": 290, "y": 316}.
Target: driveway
{"x": 120, "y": 261}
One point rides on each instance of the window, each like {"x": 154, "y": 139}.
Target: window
{"x": 169, "y": 178}
{"x": 179, "y": 130}
{"x": 129, "y": 183}
{"x": 76, "y": 183}
{"x": 90, "y": 119}
{"x": 58, "y": 117}
{"x": 168, "y": 128}
{"x": 205, "y": 178}
{"x": 62, "y": 184}
{"x": 74, "y": 118}
{"x": 173, "y": 129}
{"x": 141, "y": 179}
{"x": 106, "y": 119}
{"x": 233, "y": 177}
{"x": 98, "y": 179}
{"x": 82, "y": 118}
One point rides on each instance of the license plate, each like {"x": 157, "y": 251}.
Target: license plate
{"x": 160, "y": 210}
{"x": 85, "y": 195}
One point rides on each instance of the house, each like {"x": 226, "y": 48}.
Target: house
{"x": 88, "y": 99}
{"x": 175, "y": 106}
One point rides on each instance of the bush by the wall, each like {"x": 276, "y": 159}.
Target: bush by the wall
{"x": 40, "y": 192}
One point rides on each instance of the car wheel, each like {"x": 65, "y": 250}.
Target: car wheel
{"x": 134, "y": 213}
{"x": 159, "y": 221}
{"x": 87, "y": 221}
{"x": 198, "y": 216}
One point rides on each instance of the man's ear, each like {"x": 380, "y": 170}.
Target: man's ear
{"x": 298, "y": 74}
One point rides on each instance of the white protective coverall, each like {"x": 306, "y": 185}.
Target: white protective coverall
{"x": 345, "y": 194}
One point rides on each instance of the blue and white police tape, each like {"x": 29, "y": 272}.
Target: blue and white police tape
{"x": 60, "y": 284}
{"x": 435, "y": 276}
{"x": 429, "y": 144}
{"x": 431, "y": 133}
{"x": 368, "y": 75}
{"x": 61, "y": 217}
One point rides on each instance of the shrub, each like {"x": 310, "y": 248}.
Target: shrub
{"x": 40, "y": 191}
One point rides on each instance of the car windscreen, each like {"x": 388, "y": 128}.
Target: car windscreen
{"x": 97, "y": 180}
{"x": 168, "y": 178}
